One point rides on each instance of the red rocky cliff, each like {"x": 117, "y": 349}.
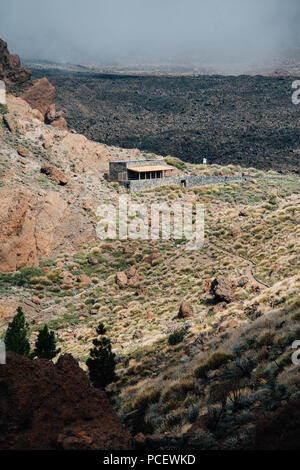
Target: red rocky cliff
{"x": 11, "y": 71}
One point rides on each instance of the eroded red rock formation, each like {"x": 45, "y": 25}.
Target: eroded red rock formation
{"x": 11, "y": 71}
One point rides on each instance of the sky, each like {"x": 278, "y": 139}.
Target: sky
{"x": 214, "y": 32}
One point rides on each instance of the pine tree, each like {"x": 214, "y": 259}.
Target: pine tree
{"x": 16, "y": 336}
{"x": 101, "y": 363}
{"x": 45, "y": 345}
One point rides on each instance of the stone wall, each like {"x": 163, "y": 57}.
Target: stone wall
{"x": 188, "y": 181}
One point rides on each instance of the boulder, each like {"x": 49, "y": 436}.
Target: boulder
{"x": 48, "y": 141}
{"x": 222, "y": 290}
{"x": 152, "y": 257}
{"x": 22, "y": 151}
{"x": 243, "y": 213}
{"x": 185, "y": 310}
{"x": 40, "y": 95}
{"x": 60, "y": 123}
{"x": 55, "y": 174}
{"x": 121, "y": 279}
{"x": 83, "y": 278}
{"x": 207, "y": 286}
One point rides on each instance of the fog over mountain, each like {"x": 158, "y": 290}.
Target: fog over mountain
{"x": 220, "y": 33}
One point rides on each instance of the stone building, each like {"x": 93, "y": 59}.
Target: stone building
{"x": 124, "y": 172}
{"x": 149, "y": 174}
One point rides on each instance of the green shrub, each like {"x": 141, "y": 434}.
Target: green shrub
{"x": 217, "y": 360}
{"x": 201, "y": 371}
{"x": 179, "y": 390}
{"x": 176, "y": 337}
{"x": 146, "y": 398}
{"x": 3, "y": 109}
{"x": 22, "y": 277}
{"x": 266, "y": 338}
{"x": 171, "y": 420}
{"x": 202, "y": 440}
{"x": 176, "y": 162}
{"x": 296, "y": 317}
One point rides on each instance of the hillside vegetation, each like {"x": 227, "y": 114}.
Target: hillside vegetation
{"x": 202, "y": 375}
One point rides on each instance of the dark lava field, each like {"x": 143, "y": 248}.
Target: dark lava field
{"x": 246, "y": 120}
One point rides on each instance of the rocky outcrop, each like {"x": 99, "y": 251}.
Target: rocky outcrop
{"x": 11, "y": 71}
{"x": 34, "y": 226}
{"x": 47, "y": 407}
{"x": 55, "y": 174}
{"x": 40, "y": 95}
{"x": 55, "y": 118}
{"x": 21, "y": 107}
{"x": 222, "y": 290}
{"x": 130, "y": 278}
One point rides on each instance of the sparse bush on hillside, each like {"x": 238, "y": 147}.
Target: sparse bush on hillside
{"x": 146, "y": 398}
{"x": 176, "y": 162}
{"x": 179, "y": 390}
{"x": 266, "y": 338}
{"x": 217, "y": 360}
{"x": 202, "y": 440}
{"x": 3, "y": 109}
{"x": 176, "y": 337}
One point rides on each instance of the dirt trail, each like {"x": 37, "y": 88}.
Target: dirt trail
{"x": 248, "y": 270}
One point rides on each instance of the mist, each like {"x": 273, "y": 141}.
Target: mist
{"x": 225, "y": 34}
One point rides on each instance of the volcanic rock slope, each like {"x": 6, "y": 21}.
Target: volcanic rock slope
{"x": 55, "y": 409}
{"x": 243, "y": 120}
{"x": 163, "y": 305}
